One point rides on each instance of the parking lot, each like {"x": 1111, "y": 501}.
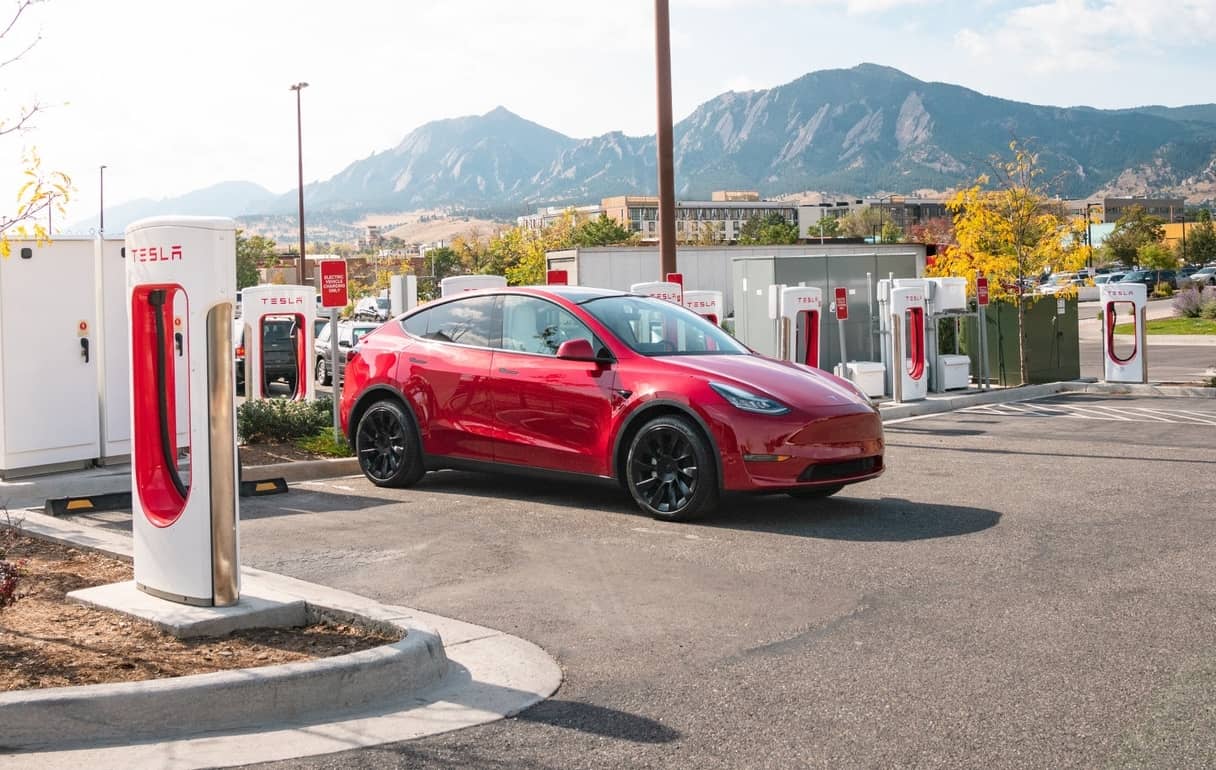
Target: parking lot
{"x": 1023, "y": 588}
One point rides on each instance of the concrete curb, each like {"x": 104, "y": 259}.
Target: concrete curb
{"x": 489, "y": 675}
{"x": 950, "y": 403}
{"x": 159, "y": 709}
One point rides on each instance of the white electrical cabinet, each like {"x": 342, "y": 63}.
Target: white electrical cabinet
{"x": 49, "y": 354}
{"x": 114, "y": 371}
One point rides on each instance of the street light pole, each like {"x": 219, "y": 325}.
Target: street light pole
{"x": 298, "y": 87}
{"x": 101, "y": 210}
{"x": 1089, "y": 232}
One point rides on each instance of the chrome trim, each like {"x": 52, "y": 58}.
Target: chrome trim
{"x": 221, "y": 423}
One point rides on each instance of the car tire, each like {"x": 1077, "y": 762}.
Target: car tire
{"x": 323, "y": 377}
{"x": 387, "y": 445}
{"x": 670, "y": 471}
{"x": 815, "y": 493}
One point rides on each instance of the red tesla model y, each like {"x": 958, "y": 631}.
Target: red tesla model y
{"x": 600, "y": 383}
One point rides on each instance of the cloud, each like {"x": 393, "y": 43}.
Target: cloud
{"x": 1064, "y": 36}
{"x": 852, "y": 7}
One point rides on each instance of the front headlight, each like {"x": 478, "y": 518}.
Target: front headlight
{"x": 747, "y": 401}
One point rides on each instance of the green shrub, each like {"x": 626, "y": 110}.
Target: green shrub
{"x": 324, "y": 443}
{"x": 1208, "y": 310}
{"x": 1163, "y": 290}
{"x": 278, "y": 419}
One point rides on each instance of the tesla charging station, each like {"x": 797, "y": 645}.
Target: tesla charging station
{"x": 267, "y": 301}
{"x": 909, "y": 380}
{"x": 707, "y": 304}
{"x": 1122, "y": 302}
{"x": 458, "y": 283}
{"x": 801, "y": 310}
{"x": 666, "y": 290}
{"x": 181, "y": 287}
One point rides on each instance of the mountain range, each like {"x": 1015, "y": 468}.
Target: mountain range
{"x": 859, "y": 131}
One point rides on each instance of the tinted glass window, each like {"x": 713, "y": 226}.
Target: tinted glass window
{"x": 531, "y": 325}
{"x": 464, "y": 321}
{"x": 655, "y": 327}
{"x": 416, "y": 324}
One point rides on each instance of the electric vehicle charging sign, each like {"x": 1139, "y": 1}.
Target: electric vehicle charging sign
{"x": 842, "y": 303}
{"x": 333, "y": 283}
{"x": 981, "y": 290}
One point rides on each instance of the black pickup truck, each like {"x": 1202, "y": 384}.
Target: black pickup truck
{"x": 279, "y": 347}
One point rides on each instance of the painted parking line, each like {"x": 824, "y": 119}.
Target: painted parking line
{"x": 1107, "y": 412}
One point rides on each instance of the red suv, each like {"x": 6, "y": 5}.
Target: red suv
{"x": 600, "y": 383}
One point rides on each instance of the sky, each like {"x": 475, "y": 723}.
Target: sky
{"x": 175, "y": 95}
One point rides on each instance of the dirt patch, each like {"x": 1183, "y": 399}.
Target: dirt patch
{"x": 270, "y": 454}
{"x": 46, "y": 641}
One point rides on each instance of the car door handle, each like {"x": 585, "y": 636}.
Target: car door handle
{"x": 416, "y": 360}
{"x": 504, "y": 370}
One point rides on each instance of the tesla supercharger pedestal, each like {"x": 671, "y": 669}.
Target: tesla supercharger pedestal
{"x": 707, "y": 304}
{"x": 665, "y": 290}
{"x": 801, "y": 320}
{"x": 909, "y": 380}
{"x": 402, "y": 293}
{"x": 1121, "y": 303}
{"x": 268, "y": 301}
{"x": 181, "y": 289}
{"x": 458, "y": 283}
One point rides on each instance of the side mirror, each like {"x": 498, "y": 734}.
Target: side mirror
{"x": 576, "y": 350}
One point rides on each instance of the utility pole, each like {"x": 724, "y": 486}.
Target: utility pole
{"x": 664, "y": 141}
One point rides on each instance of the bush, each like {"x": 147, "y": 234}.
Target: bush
{"x": 1188, "y": 302}
{"x": 10, "y": 572}
{"x": 324, "y": 443}
{"x": 1163, "y": 290}
{"x": 1208, "y": 310}
{"x": 277, "y": 419}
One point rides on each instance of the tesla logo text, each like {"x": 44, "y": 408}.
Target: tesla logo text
{"x": 667, "y": 296}
{"x": 701, "y": 303}
{"x": 914, "y": 298}
{"x": 157, "y": 254}
{"x": 282, "y": 300}
{"x": 806, "y": 301}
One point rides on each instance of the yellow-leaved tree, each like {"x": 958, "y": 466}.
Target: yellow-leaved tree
{"x": 40, "y": 191}
{"x": 1007, "y": 228}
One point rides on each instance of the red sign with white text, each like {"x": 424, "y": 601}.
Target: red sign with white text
{"x": 842, "y": 303}
{"x": 333, "y": 283}
{"x": 981, "y": 290}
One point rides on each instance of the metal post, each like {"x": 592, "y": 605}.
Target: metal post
{"x": 664, "y": 141}
{"x": 101, "y": 211}
{"x": 897, "y": 360}
{"x": 870, "y": 308}
{"x": 983, "y": 330}
{"x": 298, "y": 87}
{"x": 336, "y": 383}
{"x": 844, "y": 357}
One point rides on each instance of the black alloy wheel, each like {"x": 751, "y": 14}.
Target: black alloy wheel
{"x": 814, "y": 493}
{"x": 387, "y": 446}
{"x": 670, "y": 470}
{"x": 323, "y": 376}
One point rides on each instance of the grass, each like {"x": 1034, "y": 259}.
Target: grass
{"x": 1173, "y": 326}
{"x": 324, "y": 443}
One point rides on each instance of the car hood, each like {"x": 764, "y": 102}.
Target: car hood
{"x": 795, "y": 385}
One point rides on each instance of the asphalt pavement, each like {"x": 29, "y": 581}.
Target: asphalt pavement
{"x": 1024, "y": 587}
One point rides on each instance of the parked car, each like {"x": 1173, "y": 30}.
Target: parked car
{"x": 1205, "y": 276}
{"x": 599, "y": 383}
{"x": 1060, "y": 281}
{"x": 279, "y": 340}
{"x": 1151, "y": 278}
{"x": 372, "y": 309}
{"x": 1107, "y": 278}
{"x": 349, "y": 334}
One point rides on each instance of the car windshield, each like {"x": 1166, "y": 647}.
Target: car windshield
{"x": 382, "y": 303}
{"x": 1135, "y": 276}
{"x": 359, "y": 332}
{"x": 655, "y": 327}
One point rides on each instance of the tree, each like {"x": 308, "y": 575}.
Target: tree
{"x": 602, "y": 231}
{"x": 442, "y": 262}
{"x": 1200, "y": 240}
{"x": 252, "y": 253}
{"x": 1155, "y": 256}
{"x": 935, "y": 230}
{"x": 860, "y": 223}
{"x": 41, "y": 191}
{"x": 767, "y": 230}
{"x": 1133, "y": 230}
{"x": 891, "y": 233}
{"x": 1010, "y": 232}
{"x": 826, "y": 227}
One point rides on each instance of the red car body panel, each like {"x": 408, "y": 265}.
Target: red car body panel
{"x": 542, "y": 412}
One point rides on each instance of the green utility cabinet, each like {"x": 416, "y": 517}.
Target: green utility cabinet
{"x": 1053, "y": 349}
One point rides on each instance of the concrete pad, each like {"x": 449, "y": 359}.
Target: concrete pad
{"x": 185, "y": 621}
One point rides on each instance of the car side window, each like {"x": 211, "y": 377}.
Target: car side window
{"x": 531, "y": 325}
{"x": 464, "y": 321}
{"x": 416, "y": 324}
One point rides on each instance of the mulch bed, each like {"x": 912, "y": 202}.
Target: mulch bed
{"x": 46, "y": 641}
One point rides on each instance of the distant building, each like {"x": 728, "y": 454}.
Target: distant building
{"x": 723, "y": 215}
{"x": 1113, "y": 209}
{"x": 549, "y": 214}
